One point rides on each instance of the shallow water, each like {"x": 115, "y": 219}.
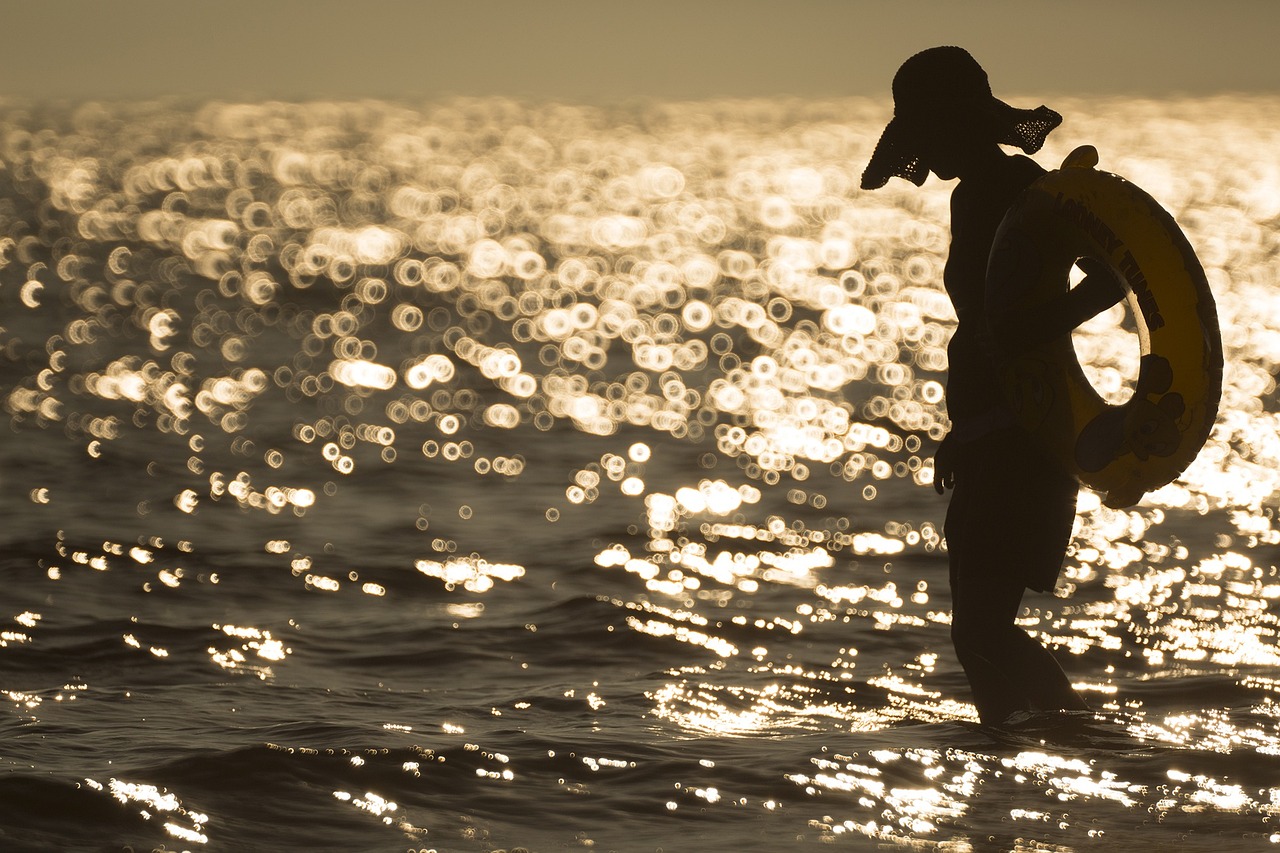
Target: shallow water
{"x": 480, "y": 476}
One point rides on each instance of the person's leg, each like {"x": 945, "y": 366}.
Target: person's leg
{"x": 975, "y": 618}
{"x": 1007, "y": 669}
{"x": 978, "y": 622}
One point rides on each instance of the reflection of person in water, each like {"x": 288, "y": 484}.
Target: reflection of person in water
{"x": 1012, "y": 505}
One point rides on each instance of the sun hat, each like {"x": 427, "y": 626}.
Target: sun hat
{"x": 939, "y": 82}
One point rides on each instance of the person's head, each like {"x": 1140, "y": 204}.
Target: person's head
{"x": 944, "y": 116}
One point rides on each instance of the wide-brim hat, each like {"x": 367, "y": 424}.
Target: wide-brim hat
{"x": 944, "y": 81}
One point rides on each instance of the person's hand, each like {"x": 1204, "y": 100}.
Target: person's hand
{"x": 1101, "y": 287}
{"x": 986, "y": 340}
{"x": 944, "y": 465}
{"x": 1094, "y": 266}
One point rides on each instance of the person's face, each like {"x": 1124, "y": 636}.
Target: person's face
{"x": 950, "y": 144}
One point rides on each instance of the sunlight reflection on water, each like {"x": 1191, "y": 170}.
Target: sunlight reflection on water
{"x": 275, "y": 308}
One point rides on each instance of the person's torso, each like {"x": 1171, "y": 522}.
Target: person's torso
{"x": 974, "y": 395}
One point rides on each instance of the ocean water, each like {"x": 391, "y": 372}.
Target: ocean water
{"x": 480, "y": 476}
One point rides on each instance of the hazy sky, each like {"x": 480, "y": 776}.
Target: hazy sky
{"x": 598, "y": 50}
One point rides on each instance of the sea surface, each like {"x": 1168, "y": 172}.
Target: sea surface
{"x": 481, "y": 475}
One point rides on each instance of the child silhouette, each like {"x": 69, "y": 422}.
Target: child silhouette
{"x": 1012, "y": 504}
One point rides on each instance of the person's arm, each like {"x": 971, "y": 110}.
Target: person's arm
{"x": 1099, "y": 290}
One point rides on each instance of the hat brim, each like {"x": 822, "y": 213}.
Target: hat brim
{"x": 894, "y": 157}
{"x": 896, "y": 154}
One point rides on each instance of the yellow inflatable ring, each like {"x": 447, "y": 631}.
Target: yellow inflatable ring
{"x": 1146, "y": 442}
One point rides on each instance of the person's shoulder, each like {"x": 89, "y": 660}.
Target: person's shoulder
{"x": 996, "y": 191}
{"x": 1025, "y": 170}
{"x": 1025, "y": 162}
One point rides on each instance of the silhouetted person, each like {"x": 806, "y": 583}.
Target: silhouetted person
{"x": 1012, "y": 504}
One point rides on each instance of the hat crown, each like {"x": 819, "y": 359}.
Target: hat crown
{"x": 939, "y": 77}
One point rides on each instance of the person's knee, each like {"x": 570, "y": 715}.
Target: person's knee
{"x": 962, "y": 635}
{"x": 975, "y": 635}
